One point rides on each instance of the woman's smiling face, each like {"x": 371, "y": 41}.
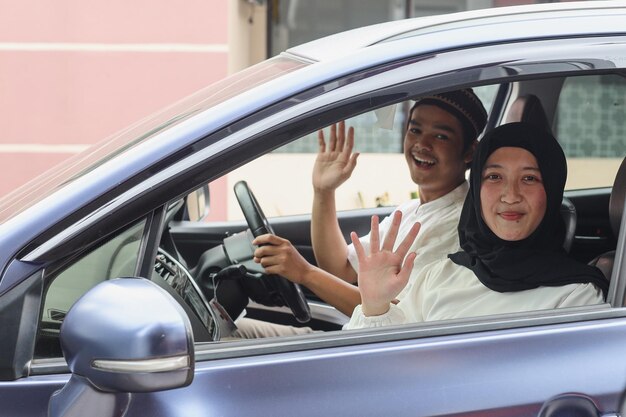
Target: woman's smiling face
{"x": 512, "y": 195}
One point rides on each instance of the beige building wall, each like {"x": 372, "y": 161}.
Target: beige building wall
{"x": 293, "y": 194}
{"x": 247, "y": 34}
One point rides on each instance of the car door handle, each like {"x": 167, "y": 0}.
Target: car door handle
{"x": 572, "y": 405}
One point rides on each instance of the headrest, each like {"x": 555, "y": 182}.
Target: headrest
{"x": 528, "y": 109}
{"x": 618, "y": 196}
{"x": 570, "y": 217}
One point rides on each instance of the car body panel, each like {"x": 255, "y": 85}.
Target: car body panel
{"x": 410, "y": 377}
{"x": 493, "y": 374}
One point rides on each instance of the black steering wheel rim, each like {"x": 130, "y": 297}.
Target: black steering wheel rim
{"x": 257, "y": 222}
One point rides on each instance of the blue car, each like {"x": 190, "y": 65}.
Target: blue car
{"x": 110, "y": 263}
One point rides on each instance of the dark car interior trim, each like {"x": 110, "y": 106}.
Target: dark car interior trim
{"x": 19, "y": 311}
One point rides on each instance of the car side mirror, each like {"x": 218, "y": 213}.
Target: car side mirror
{"x": 198, "y": 203}
{"x": 123, "y": 336}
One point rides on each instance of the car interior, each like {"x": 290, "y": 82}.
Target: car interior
{"x": 205, "y": 261}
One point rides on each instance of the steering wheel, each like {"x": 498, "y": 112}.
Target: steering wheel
{"x": 257, "y": 222}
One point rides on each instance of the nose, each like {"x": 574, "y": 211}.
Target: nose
{"x": 423, "y": 142}
{"x": 511, "y": 193}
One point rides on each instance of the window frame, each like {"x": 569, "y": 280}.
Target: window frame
{"x": 364, "y": 91}
{"x": 328, "y": 110}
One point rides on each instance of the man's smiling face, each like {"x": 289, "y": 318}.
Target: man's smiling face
{"x": 433, "y": 148}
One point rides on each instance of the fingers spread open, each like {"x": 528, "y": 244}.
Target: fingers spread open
{"x": 351, "y": 163}
{"x": 332, "y": 141}
{"x": 350, "y": 139}
{"x": 358, "y": 247}
{"x": 407, "y": 267}
{"x": 392, "y": 234}
{"x": 320, "y": 141}
{"x": 341, "y": 136}
{"x": 374, "y": 236}
{"x": 406, "y": 243}
{"x": 347, "y": 154}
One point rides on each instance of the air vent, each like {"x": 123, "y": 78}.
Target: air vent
{"x": 165, "y": 267}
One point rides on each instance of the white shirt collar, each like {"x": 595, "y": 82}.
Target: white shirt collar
{"x": 453, "y": 197}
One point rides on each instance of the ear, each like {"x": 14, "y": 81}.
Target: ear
{"x": 469, "y": 153}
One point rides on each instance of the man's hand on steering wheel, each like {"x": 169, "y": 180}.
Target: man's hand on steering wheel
{"x": 258, "y": 224}
{"x": 278, "y": 256}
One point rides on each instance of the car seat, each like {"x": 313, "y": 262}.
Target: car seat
{"x": 604, "y": 262}
{"x": 528, "y": 108}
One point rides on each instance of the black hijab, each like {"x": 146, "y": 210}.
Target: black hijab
{"x": 539, "y": 259}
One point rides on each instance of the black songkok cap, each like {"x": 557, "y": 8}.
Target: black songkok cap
{"x": 462, "y": 104}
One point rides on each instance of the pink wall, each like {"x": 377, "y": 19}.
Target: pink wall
{"x": 74, "y": 72}
{"x": 197, "y": 21}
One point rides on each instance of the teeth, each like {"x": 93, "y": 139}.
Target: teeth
{"x": 423, "y": 161}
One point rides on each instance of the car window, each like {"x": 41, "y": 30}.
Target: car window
{"x": 590, "y": 123}
{"x": 380, "y": 178}
{"x": 117, "y": 257}
{"x": 281, "y": 179}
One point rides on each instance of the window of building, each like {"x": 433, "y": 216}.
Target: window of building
{"x": 293, "y": 22}
{"x": 590, "y": 123}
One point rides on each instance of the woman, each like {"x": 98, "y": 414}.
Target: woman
{"x": 511, "y": 235}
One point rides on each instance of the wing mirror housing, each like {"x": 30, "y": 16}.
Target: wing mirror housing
{"x": 124, "y": 336}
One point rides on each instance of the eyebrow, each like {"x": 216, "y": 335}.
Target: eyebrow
{"x": 531, "y": 168}
{"x": 444, "y": 127}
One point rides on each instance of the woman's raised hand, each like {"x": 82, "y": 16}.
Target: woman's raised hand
{"x": 383, "y": 273}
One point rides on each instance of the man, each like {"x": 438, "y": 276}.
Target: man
{"x": 438, "y": 146}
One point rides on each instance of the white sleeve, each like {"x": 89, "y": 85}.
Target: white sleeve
{"x": 583, "y": 294}
{"x": 395, "y": 315}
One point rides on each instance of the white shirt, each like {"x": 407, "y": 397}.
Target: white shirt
{"x": 445, "y": 290}
{"x": 438, "y": 235}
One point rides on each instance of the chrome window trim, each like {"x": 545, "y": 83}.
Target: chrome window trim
{"x": 143, "y": 365}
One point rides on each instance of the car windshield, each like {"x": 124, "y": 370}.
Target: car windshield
{"x": 144, "y": 129}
